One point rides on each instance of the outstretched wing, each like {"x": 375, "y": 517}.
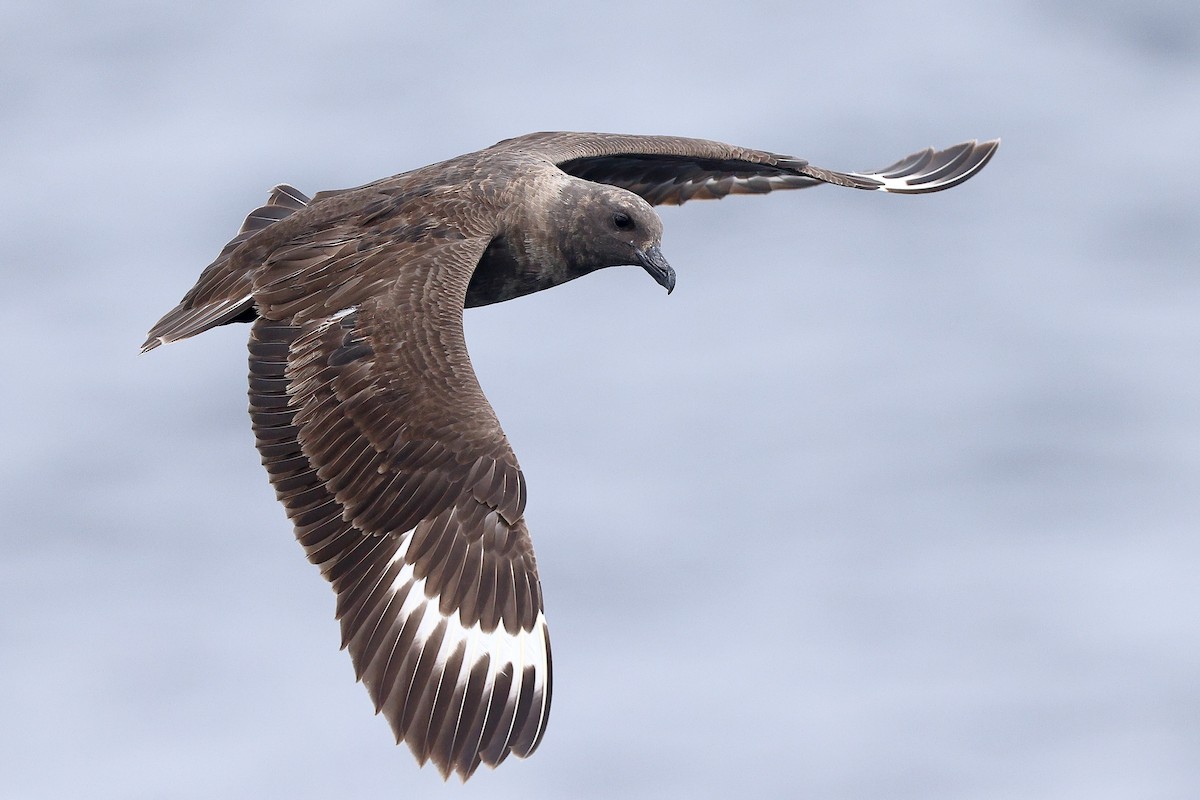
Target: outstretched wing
{"x": 669, "y": 170}
{"x": 404, "y": 491}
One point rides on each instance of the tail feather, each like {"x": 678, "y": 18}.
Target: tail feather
{"x": 224, "y": 293}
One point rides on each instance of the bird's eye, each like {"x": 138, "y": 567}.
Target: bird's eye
{"x": 622, "y": 221}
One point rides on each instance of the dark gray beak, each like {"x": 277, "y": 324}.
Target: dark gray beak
{"x": 653, "y": 262}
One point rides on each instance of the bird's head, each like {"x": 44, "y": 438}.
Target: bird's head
{"x": 612, "y": 227}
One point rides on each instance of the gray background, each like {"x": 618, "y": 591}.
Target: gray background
{"x": 893, "y": 498}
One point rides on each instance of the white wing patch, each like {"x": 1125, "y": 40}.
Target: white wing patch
{"x": 495, "y": 673}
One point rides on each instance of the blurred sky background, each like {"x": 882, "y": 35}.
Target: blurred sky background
{"x": 894, "y": 497}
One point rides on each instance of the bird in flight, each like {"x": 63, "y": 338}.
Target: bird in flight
{"x": 372, "y": 426}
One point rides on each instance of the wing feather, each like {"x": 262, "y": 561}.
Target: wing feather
{"x": 403, "y": 489}
{"x": 670, "y": 170}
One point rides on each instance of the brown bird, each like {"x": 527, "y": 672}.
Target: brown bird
{"x": 373, "y": 428}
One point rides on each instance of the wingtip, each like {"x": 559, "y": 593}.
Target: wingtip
{"x": 990, "y": 145}
{"x": 446, "y": 765}
{"x": 932, "y": 170}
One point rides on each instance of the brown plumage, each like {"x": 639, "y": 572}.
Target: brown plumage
{"x": 377, "y": 438}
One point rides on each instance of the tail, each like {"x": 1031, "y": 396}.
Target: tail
{"x": 224, "y": 292}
